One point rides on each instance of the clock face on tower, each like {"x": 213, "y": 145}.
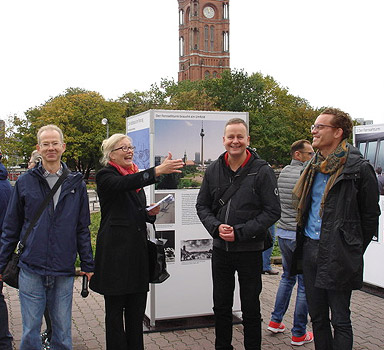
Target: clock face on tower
{"x": 208, "y": 11}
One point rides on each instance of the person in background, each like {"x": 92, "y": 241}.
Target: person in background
{"x": 34, "y": 159}
{"x": 267, "y": 268}
{"x": 5, "y": 193}
{"x": 47, "y": 263}
{"x": 380, "y": 180}
{"x": 121, "y": 260}
{"x": 239, "y": 228}
{"x": 47, "y": 334}
{"x": 301, "y": 152}
{"x": 338, "y": 213}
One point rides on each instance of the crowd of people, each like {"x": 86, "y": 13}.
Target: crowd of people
{"x": 324, "y": 207}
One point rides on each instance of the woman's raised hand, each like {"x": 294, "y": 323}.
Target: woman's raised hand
{"x": 169, "y": 166}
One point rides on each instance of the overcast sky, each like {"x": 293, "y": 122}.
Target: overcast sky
{"x": 329, "y": 52}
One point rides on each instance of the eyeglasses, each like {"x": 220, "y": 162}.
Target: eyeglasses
{"x": 50, "y": 144}
{"x": 125, "y": 148}
{"x": 322, "y": 126}
{"x": 310, "y": 153}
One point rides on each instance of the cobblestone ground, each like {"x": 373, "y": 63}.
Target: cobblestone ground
{"x": 88, "y": 323}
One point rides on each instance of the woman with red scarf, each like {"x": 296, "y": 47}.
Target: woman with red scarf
{"x": 121, "y": 261}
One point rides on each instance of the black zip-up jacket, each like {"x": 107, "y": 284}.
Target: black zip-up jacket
{"x": 350, "y": 219}
{"x": 251, "y": 210}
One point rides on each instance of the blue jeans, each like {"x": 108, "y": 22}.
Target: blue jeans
{"x": 248, "y": 267}
{"x": 283, "y": 295}
{"x": 5, "y": 336}
{"x": 322, "y": 301}
{"x": 267, "y": 253}
{"x": 35, "y": 292}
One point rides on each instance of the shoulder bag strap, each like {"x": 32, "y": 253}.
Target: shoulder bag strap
{"x": 234, "y": 186}
{"x": 42, "y": 206}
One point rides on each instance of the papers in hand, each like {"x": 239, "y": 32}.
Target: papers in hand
{"x": 167, "y": 199}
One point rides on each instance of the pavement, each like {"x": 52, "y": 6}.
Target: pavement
{"x": 88, "y": 329}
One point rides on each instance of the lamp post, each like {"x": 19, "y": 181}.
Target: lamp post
{"x": 104, "y": 121}
{"x": 202, "y": 144}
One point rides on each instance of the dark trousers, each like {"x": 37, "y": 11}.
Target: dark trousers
{"x": 5, "y": 336}
{"x": 124, "y": 321}
{"x": 248, "y": 266}
{"x": 322, "y": 302}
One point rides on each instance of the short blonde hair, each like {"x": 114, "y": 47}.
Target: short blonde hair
{"x": 109, "y": 144}
{"x": 236, "y": 121}
{"x": 50, "y": 127}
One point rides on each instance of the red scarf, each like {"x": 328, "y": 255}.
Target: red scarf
{"x": 126, "y": 171}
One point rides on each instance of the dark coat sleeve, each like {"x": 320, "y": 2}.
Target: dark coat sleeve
{"x": 84, "y": 246}
{"x": 111, "y": 182}
{"x": 204, "y": 205}
{"x": 368, "y": 199}
{"x": 12, "y": 225}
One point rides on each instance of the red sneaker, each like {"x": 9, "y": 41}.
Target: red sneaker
{"x": 306, "y": 338}
{"x": 275, "y": 327}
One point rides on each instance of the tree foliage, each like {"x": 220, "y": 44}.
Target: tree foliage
{"x": 10, "y": 146}
{"x": 276, "y": 117}
{"x": 78, "y": 113}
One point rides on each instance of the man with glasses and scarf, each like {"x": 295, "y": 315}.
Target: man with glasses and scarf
{"x": 337, "y": 202}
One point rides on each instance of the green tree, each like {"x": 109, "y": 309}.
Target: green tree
{"x": 78, "y": 113}
{"x": 10, "y": 146}
{"x": 276, "y": 117}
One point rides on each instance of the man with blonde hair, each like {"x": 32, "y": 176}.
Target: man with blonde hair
{"x": 47, "y": 262}
{"x": 238, "y": 218}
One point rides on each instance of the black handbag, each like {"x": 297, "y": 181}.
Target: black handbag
{"x": 11, "y": 272}
{"x": 156, "y": 260}
{"x": 268, "y": 240}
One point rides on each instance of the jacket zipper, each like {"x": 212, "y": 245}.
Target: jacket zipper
{"x": 226, "y": 220}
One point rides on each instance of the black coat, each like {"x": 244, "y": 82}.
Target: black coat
{"x": 121, "y": 261}
{"x": 251, "y": 210}
{"x": 350, "y": 219}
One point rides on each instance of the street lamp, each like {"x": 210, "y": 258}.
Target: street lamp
{"x": 104, "y": 121}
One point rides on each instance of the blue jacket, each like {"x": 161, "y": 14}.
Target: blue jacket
{"x": 59, "y": 233}
{"x": 5, "y": 193}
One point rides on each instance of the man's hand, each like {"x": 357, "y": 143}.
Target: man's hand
{"x": 226, "y": 233}
{"x": 89, "y": 274}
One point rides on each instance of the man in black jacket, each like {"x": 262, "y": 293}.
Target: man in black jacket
{"x": 337, "y": 201}
{"x": 238, "y": 226}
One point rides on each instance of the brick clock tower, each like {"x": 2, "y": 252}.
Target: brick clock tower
{"x": 203, "y": 38}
